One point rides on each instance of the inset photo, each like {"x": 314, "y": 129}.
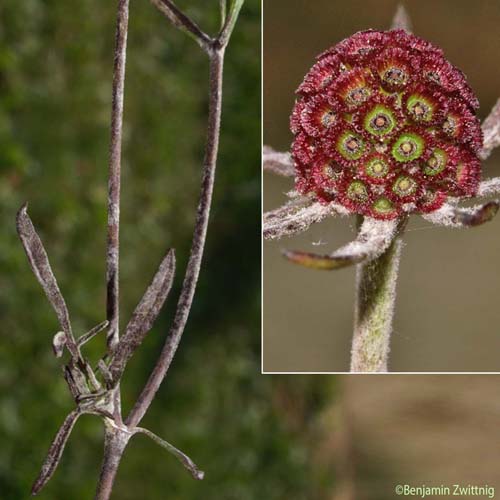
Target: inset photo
{"x": 381, "y": 187}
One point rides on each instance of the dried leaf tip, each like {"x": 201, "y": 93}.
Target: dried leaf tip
{"x": 55, "y": 452}
{"x": 401, "y": 19}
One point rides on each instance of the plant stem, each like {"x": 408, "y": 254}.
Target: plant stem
{"x": 197, "y": 246}
{"x": 115, "y": 442}
{"x": 113, "y": 239}
{"x": 374, "y": 310}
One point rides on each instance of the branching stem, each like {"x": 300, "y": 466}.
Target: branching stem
{"x": 197, "y": 246}
{"x": 83, "y": 384}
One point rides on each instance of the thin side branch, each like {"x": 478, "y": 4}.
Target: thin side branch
{"x": 234, "y": 11}
{"x": 182, "y": 457}
{"x": 197, "y": 247}
{"x": 277, "y": 163}
{"x": 373, "y": 239}
{"x": 115, "y": 151}
{"x": 223, "y": 12}
{"x": 183, "y": 22}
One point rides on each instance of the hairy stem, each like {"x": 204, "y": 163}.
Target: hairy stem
{"x": 374, "y": 310}
{"x": 115, "y": 149}
{"x": 197, "y": 246}
{"x": 115, "y": 441}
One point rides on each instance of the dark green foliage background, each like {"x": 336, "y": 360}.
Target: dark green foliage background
{"x": 55, "y": 83}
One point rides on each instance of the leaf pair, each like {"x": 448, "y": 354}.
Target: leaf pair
{"x": 142, "y": 319}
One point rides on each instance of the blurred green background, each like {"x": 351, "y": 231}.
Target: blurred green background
{"x": 55, "y": 86}
{"x": 257, "y": 437}
{"x": 447, "y": 313}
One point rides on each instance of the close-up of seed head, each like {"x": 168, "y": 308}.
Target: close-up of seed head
{"x": 385, "y": 126}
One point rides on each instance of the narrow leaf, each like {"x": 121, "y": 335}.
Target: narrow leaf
{"x": 40, "y": 265}
{"x": 182, "y": 457}
{"x": 92, "y": 333}
{"x": 451, "y": 216}
{"x": 145, "y": 314}
{"x": 55, "y": 452}
{"x": 277, "y": 163}
{"x": 491, "y": 131}
{"x": 373, "y": 239}
{"x": 401, "y": 20}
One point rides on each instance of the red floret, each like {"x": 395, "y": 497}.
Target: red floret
{"x": 395, "y": 68}
{"x": 321, "y": 75}
{"x": 321, "y": 114}
{"x": 462, "y": 125}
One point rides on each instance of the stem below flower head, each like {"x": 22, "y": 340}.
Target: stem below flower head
{"x": 374, "y": 310}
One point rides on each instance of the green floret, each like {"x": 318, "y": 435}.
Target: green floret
{"x": 383, "y": 206}
{"x": 357, "y": 191}
{"x": 380, "y": 121}
{"x": 436, "y": 163}
{"x": 408, "y": 147}
{"x": 351, "y": 146}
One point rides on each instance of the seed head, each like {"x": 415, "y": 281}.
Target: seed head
{"x": 385, "y": 125}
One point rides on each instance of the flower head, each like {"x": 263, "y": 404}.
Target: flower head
{"x": 385, "y": 126}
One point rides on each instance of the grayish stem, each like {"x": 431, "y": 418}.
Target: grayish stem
{"x": 115, "y": 441}
{"x": 115, "y": 150}
{"x": 374, "y": 310}
{"x": 198, "y": 244}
